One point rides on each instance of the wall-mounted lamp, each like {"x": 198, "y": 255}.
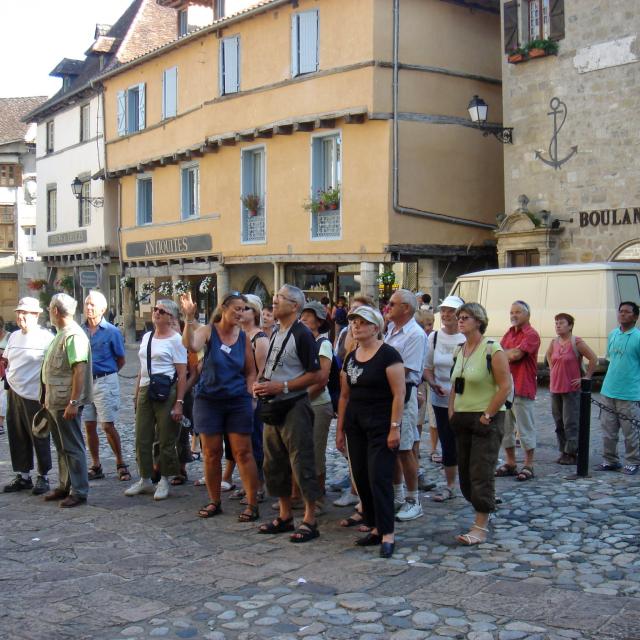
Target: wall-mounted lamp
{"x": 76, "y": 187}
{"x": 478, "y": 111}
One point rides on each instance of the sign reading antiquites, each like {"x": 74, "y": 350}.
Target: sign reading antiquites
{"x": 613, "y": 217}
{"x": 169, "y": 246}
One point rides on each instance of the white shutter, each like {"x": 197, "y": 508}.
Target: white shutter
{"x": 295, "y": 45}
{"x": 308, "y": 35}
{"x": 230, "y": 66}
{"x": 170, "y": 92}
{"x": 141, "y": 106}
{"x": 122, "y": 113}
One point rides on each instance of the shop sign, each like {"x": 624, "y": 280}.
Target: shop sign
{"x": 169, "y": 246}
{"x": 68, "y": 237}
{"x": 89, "y": 279}
{"x": 613, "y": 217}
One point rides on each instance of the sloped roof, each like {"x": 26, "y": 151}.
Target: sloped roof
{"x": 67, "y": 67}
{"x": 12, "y": 110}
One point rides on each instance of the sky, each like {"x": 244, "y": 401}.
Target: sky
{"x": 36, "y": 34}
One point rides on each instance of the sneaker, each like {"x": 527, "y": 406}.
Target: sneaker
{"x": 346, "y": 499}
{"x": 630, "y": 469}
{"x": 18, "y": 484}
{"x": 340, "y": 485}
{"x": 397, "y": 505}
{"x": 409, "y": 511}
{"x": 609, "y": 466}
{"x": 41, "y": 486}
{"x": 142, "y": 486}
{"x": 162, "y": 490}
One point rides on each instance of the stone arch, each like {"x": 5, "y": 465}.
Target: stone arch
{"x": 626, "y": 252}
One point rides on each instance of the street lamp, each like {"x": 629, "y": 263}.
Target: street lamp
{"x": 76, "y": 187}
{"x": 478, "y": 111}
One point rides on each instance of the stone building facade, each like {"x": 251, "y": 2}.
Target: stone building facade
{"x": 575, "y": 196}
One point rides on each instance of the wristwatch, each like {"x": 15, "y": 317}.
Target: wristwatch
{"x": 395, "y": 425}
{"x": 180, "y": 401}
{"x": 74, "y": 403}
{"x": 486, "y": 416}
{"x": 286, "y": 387}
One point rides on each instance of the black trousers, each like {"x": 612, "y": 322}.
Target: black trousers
{"x": 372, "y": 462}
{"x": 22, "y": 443}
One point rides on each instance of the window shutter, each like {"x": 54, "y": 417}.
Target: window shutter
{"x": 141, "y": 106}
{"x": 247, "y": 188}
{"x": 556, "y": 20}
{"x": 317, "y": 178}
{"x": 122, "y": 111}
{"x": 185, "y": 193}
{"x": 510, "y": 26}
{"x": 169, "y": 93}
{"x": 295, "y": 45}
{"x": 308, "y": 33}
{"x": 230, "y": 71}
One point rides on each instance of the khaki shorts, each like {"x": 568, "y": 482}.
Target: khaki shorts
{"x": 106, "y": 400}
{"x": 409, "y": 430}
{"x": 520, "y": 418}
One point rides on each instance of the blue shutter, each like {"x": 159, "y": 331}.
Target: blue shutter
{"x": 170, "y": 92}
{"x": 308, "y": 38}
{"x": 317, "y": 177}
{"x": 122, "y": 113}
{"x": 141, "y": 106}
{"x": 184, "y": 173}
{"x": 230, "y": 49}
{"x": 247, "y": 188}
{"x": 295, "y": 45}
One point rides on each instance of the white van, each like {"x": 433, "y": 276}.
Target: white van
{"x": 591, "y": 293}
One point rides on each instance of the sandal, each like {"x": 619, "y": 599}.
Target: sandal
{"x": 96, "y": 473}
{"x": 446, "y": 493}
{"x": 208, "y": 512}
{"x": 505, "y": 470}
{"x": 353, "y": 520}
{"x": 436, "y": 458}
{"x": 526, "y": 473}
{"x": 179, "y": 480}
{"x": 470, "y": 539}
{"x": 123, "y": 473}
{"x": 259, "y": 497}
{"x": 305, "y": 532}
{"x": 277, "y": 526}
{"x": 237, "y": 494}
{"x": 250, "y": 514}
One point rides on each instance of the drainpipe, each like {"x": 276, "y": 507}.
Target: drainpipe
{"x": 441, "y": 217}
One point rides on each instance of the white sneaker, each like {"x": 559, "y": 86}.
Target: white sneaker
{"x": 346, "y": 499}
{"x": 409, "y": 511}
{"x": 162, "y": 489}
{"x": 144, "y": 485}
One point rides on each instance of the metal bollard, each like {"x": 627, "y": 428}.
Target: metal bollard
{"x": 584, "y": 428}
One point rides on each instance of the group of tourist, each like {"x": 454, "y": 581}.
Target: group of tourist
{"x": 263, "y": 385}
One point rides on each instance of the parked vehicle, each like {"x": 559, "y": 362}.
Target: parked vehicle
{"x": 591, "y": 293}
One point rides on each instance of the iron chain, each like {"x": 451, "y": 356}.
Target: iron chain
{"x": 622, "y": 416}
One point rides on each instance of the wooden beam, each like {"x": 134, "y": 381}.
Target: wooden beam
{"x": 246, "y": 136}
{"x": 283, "y": 129}
{"x": 228, "y": 141}
{"x": 354, "y": 118}
{"x": 304, "y": 126}
{"x": 267, "y": 132}
{"x": 326, "y": 123}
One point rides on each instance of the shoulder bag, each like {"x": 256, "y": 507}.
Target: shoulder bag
{"x": 159, "y": 383}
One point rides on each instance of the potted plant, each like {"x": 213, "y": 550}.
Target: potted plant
{"x": 36, "y": 285}
{"x": 252, "y": 203}
{"x": 206, "y": 285}
{"x": 542, "y": 47}
{"x": 66, "y": 284}
{"x": 331, "y": 198}
{"x": 517, "y": 55}
{"x": 165, "y": 289}
{"x": 126, "y": 282}
{"x": 315, "y": 205}
{"x": 180, "y": 287}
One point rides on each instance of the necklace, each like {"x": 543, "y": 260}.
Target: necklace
{"x": 465, "y": 361}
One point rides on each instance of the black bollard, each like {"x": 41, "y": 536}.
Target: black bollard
{"x": 584, "y": 428}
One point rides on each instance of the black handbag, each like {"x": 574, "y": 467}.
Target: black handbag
{"x": 160, "y": 384}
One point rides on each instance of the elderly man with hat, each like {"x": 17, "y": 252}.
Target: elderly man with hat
{"x": 23, "y": 355}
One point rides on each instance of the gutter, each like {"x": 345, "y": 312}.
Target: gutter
{"x": 408, "y": 211}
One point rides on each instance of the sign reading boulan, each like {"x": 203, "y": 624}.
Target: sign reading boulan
{"x": 613, "y": 217}
{"x": 69, "y": 237}
{"x": 169, "y": 246}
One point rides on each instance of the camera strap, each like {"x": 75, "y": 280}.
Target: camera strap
{"x": 271, "y": 345}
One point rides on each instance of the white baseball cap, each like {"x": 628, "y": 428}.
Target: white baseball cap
{"x": 451, "y": 302}
{"x": 369, "y": 314}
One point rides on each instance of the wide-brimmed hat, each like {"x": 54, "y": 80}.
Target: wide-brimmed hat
{"x": 30, "y": 305}
{"x": 41, "y": 424}
{"x": 320, "y": 312}
{"x": 369, "y": 314}
{"x": 451, "y": 302}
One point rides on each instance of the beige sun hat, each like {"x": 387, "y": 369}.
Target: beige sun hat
{"x": 29, "y": 305}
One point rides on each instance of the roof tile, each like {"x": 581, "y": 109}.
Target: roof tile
{"x": 12, "y": 110}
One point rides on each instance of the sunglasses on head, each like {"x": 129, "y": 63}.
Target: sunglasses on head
{"x": 233, "y": 295}
{"x": 163, "y": 312}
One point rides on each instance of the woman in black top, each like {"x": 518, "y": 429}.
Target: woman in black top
{"x": 371, "y": 403}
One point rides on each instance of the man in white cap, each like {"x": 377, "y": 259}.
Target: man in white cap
{"x": 24, "y": 354}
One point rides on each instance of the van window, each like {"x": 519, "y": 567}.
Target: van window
{"x": 628, "y": 288}
{"x": 467, "y": 290}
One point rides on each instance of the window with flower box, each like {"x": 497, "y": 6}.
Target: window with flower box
{"x": 326, "y": 176}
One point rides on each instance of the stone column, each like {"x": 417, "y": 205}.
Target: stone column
{"x": 128, "y": 313}
{"x": 428, "y": 280}
{"x": 222, "y": 282}
{"x": 368, "y": 284}
{"x": 276, "y": 276}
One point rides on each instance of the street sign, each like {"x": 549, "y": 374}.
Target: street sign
{"x": 89, "y": 279}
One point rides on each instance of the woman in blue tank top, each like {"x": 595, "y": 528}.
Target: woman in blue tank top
{"x": 223, "y": 403}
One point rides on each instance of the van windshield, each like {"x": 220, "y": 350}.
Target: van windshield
{"x": 467, "y": 290}
{"x": 628, "y": 288}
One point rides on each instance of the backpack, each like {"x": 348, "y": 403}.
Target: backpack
{"x": 333, "y": 384}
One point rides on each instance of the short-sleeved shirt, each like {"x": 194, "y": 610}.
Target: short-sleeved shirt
{"x": 622, "y": 380}
{"x": 107, "y": 345}
{"x": 367, "y": 381}
{"x": 440, "y": 360}
{"x": 525, "y": 370}
{"x": 166, "y": 353}
{"x": 410, "y": 341}
{"x": 25, "y": 354}
{"x": 325, "y": 350}
{"x": 479, "y": 384}
{"x": 300, "y": 356}
{"x": 565, "y": 366}
{"x": 76, "y": 348}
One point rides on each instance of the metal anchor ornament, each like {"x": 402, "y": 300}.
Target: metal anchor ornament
{"x": 558, "y": 110}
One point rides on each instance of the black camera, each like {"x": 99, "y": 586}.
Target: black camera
{"x": 458, "y": 385}
{"x": 265, "y": 398}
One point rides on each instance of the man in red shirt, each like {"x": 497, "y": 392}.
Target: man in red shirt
{"x": 521, "y": 344}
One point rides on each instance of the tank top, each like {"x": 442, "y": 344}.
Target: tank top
{"x": 565, "y": 366}
{"x": 222, "y": 376}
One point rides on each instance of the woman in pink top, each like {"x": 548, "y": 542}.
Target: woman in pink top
{"x": 564, "y": 356}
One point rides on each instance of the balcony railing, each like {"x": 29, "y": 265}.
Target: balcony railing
{"x": 327, "y": 224}
{"x": 255, "y": 231}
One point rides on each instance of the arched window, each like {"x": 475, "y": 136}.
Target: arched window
{"x": 257, "y": 287}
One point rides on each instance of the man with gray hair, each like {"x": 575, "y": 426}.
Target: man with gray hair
{"x": 66, "y": 377}
{"x": 408, "y": 338}
{"x": 108, "y": 357}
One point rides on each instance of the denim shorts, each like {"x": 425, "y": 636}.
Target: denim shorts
{"x": 217, "y": 417}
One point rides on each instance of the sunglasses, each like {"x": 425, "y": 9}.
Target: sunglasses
{"x": 162, "y": 312}
{"x": 233, "y": 295}
{"x": 464, "y": 318}
{"x": 281, "y": 297}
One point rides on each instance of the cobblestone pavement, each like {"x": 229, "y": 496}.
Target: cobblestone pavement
{"x": 561, "y": 563}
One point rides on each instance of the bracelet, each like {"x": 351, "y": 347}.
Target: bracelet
{"x": 180, "y": 401}
{"x": 191, "y": 321}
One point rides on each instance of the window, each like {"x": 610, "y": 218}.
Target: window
{"x": 52, "y": 208}
{"x": 524, "y": 258}
{"x": 169, "y": 92}
{"x": 6, "y": 213}
{"x": 304, "y": 43}
{"x": 253, "y": 188}
{"x": 326, "y": 161}
{"x": 30, "y": 236}
{"x": 85, "y": 128}
{"x": 6, "y": 236}
{"x": 230, "y": 65}
{"x": 190, "y": 191}
{"x": 628, "y": 288}
{"x": 183, "y": 22}
{"x": 144, "y": 205}
{"x": 467, "y": 290}
{"x": 10, "y": 175}
{"x": 84, "y": 206}
{"x": 532, "y": 20}
{"x": 131, "y": 109}
{"x": 49, "y": 142}
{"x": 218, "y": 9}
